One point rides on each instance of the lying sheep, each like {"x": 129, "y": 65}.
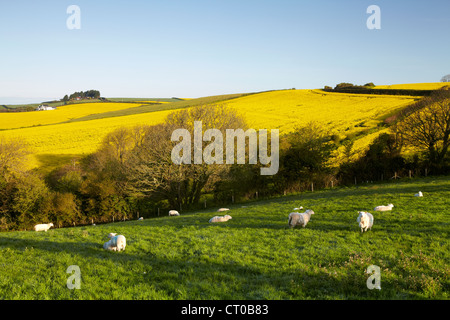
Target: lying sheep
{"x": 384, "y": 208}
{"x": 365, "y": 220}
{"x": 300, "y": 208}
{"x": 220, "y": 219}
{"x": 43, "y": 227}
{"x": 300, "y": 218}
{"x": 174, "y": 213}
{"x": 223, "y": 209}
{"x": 116, "y": 243}
{"x": 141, "y": 218}
{"x": 419, "y": 194}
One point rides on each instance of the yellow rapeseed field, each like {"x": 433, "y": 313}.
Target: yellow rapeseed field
{"x": 339, "y": 113}
{"x": 415, "y": 86}
{"x": 13, "y": 120}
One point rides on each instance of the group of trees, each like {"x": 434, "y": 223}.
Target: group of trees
{"x": 90, "y": 94}
{"x": 133, "y": 172}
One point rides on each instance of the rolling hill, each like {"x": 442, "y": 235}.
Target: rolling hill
{"x": 78, "y": 129}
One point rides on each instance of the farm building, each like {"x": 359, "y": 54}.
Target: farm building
{"x": 44, "y": 107}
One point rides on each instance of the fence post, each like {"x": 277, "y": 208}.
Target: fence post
{"x": 355, "y": 181}
{"x": 312, "y": 186}
{"x": 426, "y": 172}
{"x": 410, "y": 174}
{"x": 332, "y": 185}
{"x": 205, "y": 203}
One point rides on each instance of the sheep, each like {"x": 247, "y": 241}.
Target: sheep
{"x": 419, "y": 194}
{"x": 43, "y": 227}
{"x": 173, "y": 213}
{"x": 365, "y": 220}
{"x": 297, "y": 209}
{"x": 300, "y": 218}
{"x": 220, "y": 219}
{"x": 116, "y": 243}
{"x": 384, "y": 208}
{"x": 141, "y": 218}
{"x": 223, "y": 209}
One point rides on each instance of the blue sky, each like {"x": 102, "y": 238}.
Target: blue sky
{"x": 193, "y": 48}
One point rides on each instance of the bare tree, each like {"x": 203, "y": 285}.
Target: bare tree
{"x": 428, "y": 127}
{"x": 13, "y": 157}
{"x": 152, "y": 171}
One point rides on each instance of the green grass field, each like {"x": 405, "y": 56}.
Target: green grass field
{"x": 253, "y": 256}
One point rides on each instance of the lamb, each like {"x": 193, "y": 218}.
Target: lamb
{"x": 384, "y": 208}
{"x": 419, "y": 194}
{"x": 223, "y": 209}
{"x": 220, "y": 219}
{"x": 300, "y": 218}
{"x": 116, "y": 243}
{"x": 174, "y": 213}
{"x": 365, "y": 220}
{"x": 43, "y": 227}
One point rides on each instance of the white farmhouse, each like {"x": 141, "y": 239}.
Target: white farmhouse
{"x": 44, "y": 107}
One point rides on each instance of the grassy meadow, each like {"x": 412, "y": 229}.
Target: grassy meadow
{"x": 253, "y": 256}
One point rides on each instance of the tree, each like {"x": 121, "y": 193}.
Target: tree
{"x": 13, "y": 157}
{"x": 446, "y": 78}
{"x": 427, "y": 128}
{"x": 305, "y": 154}
{"x": 152, "y": 171}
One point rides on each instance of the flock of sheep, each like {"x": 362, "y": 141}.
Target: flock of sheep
{"x": 365, "y": 221}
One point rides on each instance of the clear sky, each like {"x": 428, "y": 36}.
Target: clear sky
{"x": 193, "y": 48}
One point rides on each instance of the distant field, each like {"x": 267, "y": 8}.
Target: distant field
{"x": 415, "y": 86}
{"x": 63, "y": 113}
{"x": 252, "y": 256}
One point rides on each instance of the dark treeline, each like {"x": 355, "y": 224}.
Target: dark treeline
{"x": 368, "y": 88}
{"x": 89, "y": 94}
{"x": 132, "y": 173}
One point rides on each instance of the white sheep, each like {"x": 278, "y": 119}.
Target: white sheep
{"x": 300, "y": 218}
{"x": 223, "y": 209}
{"x": 43, "y": 227}
{"x": 116, "y": 243}
{"x": 365, "y": 220}
{"x": 141, "y": 218}
{"x": 419, "y": 194}
{"x": 297, "y": 209}
{"x": 220, "y": 219}
{"x": 384, "y": 208}
{"x": 174, "y": 213}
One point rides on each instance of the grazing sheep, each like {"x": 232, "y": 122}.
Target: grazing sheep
{"x": 141, "y": 218}
{"x": 174, "y": 213}
{"x": 43, "y": 227}
{"x": 300, "y": 218}
{"x": 296, "y": 209}
{"x": 220, "y": 219}
{"x": 223, "y": 209}
{"x": 116, "y": 243}
{"x": 384, "y": 208}
{"x": 419, "y": 194}
{"x": 365, "y": 220}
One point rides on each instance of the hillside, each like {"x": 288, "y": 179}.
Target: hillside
{"x": 253, "y": 256}
{"x": 79, "y": 129}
